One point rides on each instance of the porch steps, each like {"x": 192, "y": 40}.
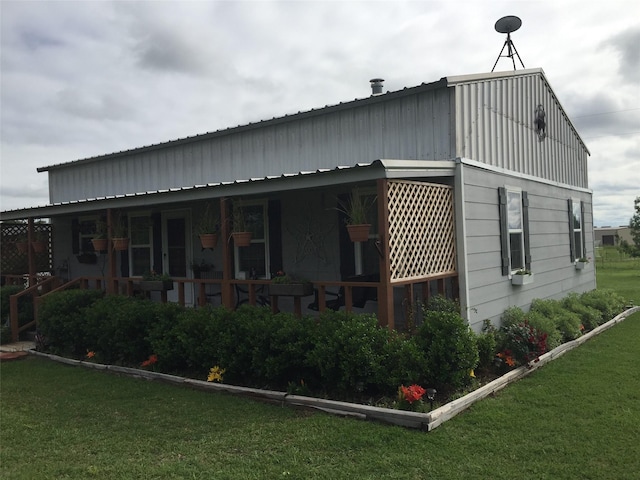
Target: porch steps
{"x": 15, "y": 351}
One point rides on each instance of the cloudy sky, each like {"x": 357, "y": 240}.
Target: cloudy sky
{"x": 84, "y": 78}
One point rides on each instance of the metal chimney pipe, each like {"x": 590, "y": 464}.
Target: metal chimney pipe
{"x": 376, "y": 86}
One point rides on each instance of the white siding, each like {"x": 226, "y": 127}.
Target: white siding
{"x": 489, "y": 292}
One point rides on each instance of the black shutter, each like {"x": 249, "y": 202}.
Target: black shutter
{"x": 504, "y": 230}
{"x": 525, "y": 230}
{"x": 75, "y": 236}
{"x": 584, "y": 247}
{"x": 572, "y": 240}
{"x": 156, "y": 241}
{"x": 275, "y": 235}
{"x": 347, "y": 249}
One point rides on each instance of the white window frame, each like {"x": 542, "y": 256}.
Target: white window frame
{"x": 517, "y": 191}
{"x": 576, "y": 204}
{"x": 130, "y": 216}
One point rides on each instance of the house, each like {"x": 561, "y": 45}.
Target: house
{"x": 475, "y": 179}
{"x": 612, "y": 236}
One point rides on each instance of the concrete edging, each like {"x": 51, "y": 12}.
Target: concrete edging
{"x": 424, "y": 421}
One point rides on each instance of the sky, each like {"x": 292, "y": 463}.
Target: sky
{"x": 86, "y": 78}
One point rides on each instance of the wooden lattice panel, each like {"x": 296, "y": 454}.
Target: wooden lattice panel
{"x": 16, "y": 263}
{"x": 421, "y": 230}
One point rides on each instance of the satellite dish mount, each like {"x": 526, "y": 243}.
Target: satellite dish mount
{"x": 508, "y": 24}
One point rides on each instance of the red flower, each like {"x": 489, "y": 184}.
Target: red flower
{"x": 412, "y": 393}
{"x": 150, "y": 361}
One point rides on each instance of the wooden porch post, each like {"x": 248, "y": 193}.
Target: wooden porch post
{"x": 111, "y": 254}
{"x": 385, "y": 291}
{"x": 30, "y": 253}
{"x": 227, "y": 291}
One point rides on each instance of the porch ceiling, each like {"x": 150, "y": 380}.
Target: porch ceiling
{"x": 383, "y": 168}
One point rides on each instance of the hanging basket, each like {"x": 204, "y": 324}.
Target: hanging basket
{"x": 120, "y": 243}
{"x": 241, "y": 239}
{"x": 39, "y": 246}
{"x": 209, "y": 240}
{"x": 22, "y": 247}
{"x": 99, "y": 244}
{"x": 359, "y": 233}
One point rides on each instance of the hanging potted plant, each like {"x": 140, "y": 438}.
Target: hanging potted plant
{"x": 40, "y": 243}
{"x": 119, "y": 234}
{"x": 21, "y": 243}
{"x": 207, "y": 228}
{"x": 241, "y": 234}
{"x": 356, "y": 209}
{"x": 100, "y": 241}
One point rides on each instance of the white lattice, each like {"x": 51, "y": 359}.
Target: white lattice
{"x": 421, "y": 230}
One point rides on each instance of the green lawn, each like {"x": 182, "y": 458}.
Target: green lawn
{"x": 577, "y": 417}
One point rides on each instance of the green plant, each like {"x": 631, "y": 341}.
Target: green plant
{"x": 487, "y": 346}
{"x": 567, "y": 322}
{"x": 547, "y": 325}
{"x": 607, "y": 302}
{"x": 522, "y": 343}
{"x": 356, "y": 207}
{"x": 153, "y": 276}
{"x": 450, "y": 349}
{"x": 119, "y": 226}
{"x": 209, "y": 221}
{"x": 101, "y": 229}
{"x": 522, "y": 271}
{"x": 239, "y": 220}
{"x": 282, "y": 278}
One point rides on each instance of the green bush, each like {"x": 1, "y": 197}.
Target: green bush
{"x": 567, "y": 322}
{"x": 523, "y": 343}
{"x": 546, "y": 325}
{"x": 512, "y": 315}
{"x": 487, "y": 346}
{"x": 402, "y": 363}
{"x": 589, "y": 316}
{"x": 607, "y": 302}
{"x": 25, "y": 305}
{"x": 449, "y": 347}
{"x": 164, "y": 340}
{"x": 117, "y": 329}
{"x": 62, "y": 321}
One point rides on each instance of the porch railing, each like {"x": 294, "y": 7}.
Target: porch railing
{"x": 253, "y": 290}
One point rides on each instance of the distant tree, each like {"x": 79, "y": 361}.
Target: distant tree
{"x": 634, "y": 223}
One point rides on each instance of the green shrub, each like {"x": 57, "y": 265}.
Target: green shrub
{"x": 62, "y": 321}
{"x": 403, "y": 363}
{"x": 607, "y": 302}
{"x": 523, "y": 343}
{"x": 449, "y": 347}
{"x": 567, "y": 322}
{"x": 440, "y": 303}
{"x": 25, "y": 305}
{"x": 164, "y": 340}
{"x": 117, "y": 328}
{"x": 347, "y": 352}
{"x": 487, "y": 346}
{"x": 546, "y": 325}
{"x": 512, "y": 315}
{"x": 590, "y": 317}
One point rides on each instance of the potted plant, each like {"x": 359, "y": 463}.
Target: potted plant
{"x": 156, "y": 282}
{"x": 356, "y": 209}
{"x": 208, "y": 226}
{"x": 241, "y": 234}
{"x": 198, "y": 268}
{"x": 22, "y": 245}
{"x": 289, "y": 286}
{"x": 39, "y": 244}
{"x": 119, "y": 234}
{"x": 100, "y": 241}
{"x": 522, "y": 277}
{"x": 581, "y": 263}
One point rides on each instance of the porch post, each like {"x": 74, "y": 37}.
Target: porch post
{"x": 111, "y": 254}
{"x": 385, "y": 291}
{"x": 227, "y": 291}
{"x": 30, "y": 253}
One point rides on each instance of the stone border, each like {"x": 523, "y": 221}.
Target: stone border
{"x": 423, "y": 421}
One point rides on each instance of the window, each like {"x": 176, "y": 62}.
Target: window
{"x": 367, "y": 259}
{"x": 86, "y": 230}
{"x": 576, "y": 229}
{"x": 514, "y": 230}
{"x": 254, "y": 259}
{"x": 141, "y": 244}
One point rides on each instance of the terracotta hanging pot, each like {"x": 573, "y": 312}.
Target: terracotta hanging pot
{"x": 39, "y": 246}
{"x": 209, "y": 240}
{"x": 359, "y": 233}
{"x": 120, "y": 243}
{"x": 241, "y": 239}
{"x": 99, "y": 244}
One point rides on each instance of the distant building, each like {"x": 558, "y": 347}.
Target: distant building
{"x": 604, "y": 236}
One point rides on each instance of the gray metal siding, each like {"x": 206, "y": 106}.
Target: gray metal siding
{"x": 495, "y": 125}
{"x": 490, "y": 293}
{"x": 415, "y": 126}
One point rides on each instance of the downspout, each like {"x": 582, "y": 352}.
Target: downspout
{"x": 461, "y": 238}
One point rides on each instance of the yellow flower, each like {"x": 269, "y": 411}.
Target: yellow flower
{"x": 215, "y": 374}
{"x": 472, "y": 374}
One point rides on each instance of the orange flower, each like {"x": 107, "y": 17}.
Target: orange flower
{"x": 150, "y": 361}
{"x": 91, "y": 354}
{"x": 510, "y": 361}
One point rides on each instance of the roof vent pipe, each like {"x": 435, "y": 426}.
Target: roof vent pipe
{"x": 376, "y": 86}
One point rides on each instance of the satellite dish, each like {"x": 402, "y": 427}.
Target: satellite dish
{"x": 508, "y": 24}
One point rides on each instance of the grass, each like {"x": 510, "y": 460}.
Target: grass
{"x": 577, "y": 417}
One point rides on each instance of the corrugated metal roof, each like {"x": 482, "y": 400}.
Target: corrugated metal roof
{"x": 369, "y": 171}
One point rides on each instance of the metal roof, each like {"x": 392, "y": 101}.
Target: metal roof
{"x": 382, "y": 168}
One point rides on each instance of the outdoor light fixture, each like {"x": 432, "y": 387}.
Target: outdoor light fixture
{"x": 431, "y": 395}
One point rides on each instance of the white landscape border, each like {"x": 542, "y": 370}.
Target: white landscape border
{"x": 425, "y": 421}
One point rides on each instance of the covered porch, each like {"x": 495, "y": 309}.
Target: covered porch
{"x": 408, "y": 255}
